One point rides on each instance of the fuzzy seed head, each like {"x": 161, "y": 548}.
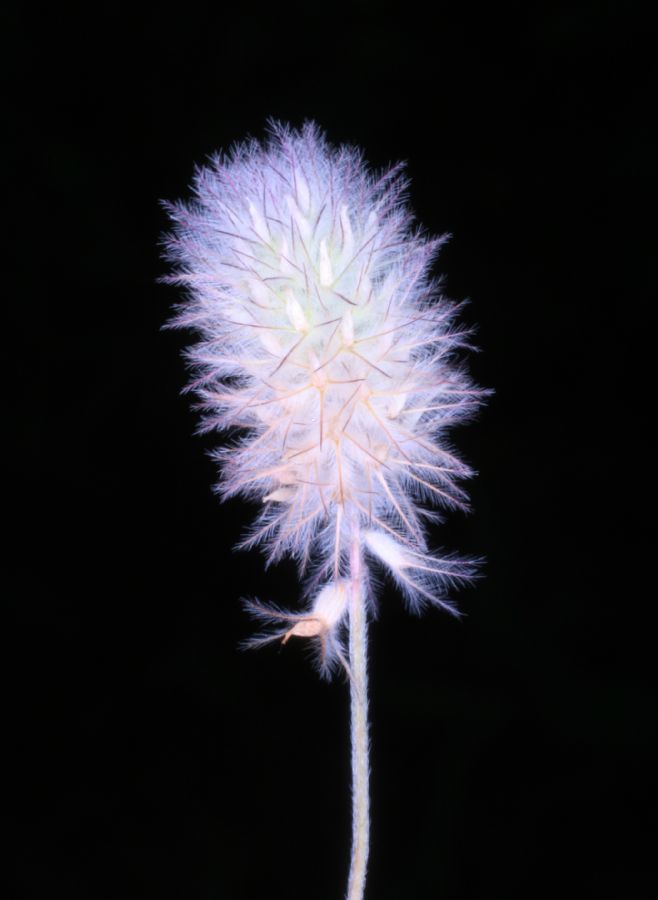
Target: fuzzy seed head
{"x": 324, "y": 344}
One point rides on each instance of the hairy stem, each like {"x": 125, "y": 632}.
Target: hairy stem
{"x": 359, "y": 722}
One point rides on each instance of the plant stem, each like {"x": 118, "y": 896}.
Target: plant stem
{"x": 358, "y": 641}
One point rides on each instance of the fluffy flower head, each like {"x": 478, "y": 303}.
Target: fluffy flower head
{"x": 327, "y": 347}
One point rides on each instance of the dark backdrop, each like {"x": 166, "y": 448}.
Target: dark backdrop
{"x": 514, "y": 750}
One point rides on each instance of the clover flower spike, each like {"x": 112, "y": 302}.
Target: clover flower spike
{"x": 325, "y": 342}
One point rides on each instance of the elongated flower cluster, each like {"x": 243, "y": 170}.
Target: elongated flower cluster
{"x": 327, "y": 345}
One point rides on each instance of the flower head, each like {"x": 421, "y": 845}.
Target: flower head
{"x": 325, "y": 343}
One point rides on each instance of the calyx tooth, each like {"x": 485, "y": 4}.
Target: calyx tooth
{"x": 326, "y": 270}
{"x": 260, "y": 226}
{"x": 347, "y": 328}
{"x": 348, "y": 237}
{"x": 302, "y": 222}
{"x": 296, "y": 313}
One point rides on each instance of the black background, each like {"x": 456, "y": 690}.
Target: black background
{"x": 514, "y": 750}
